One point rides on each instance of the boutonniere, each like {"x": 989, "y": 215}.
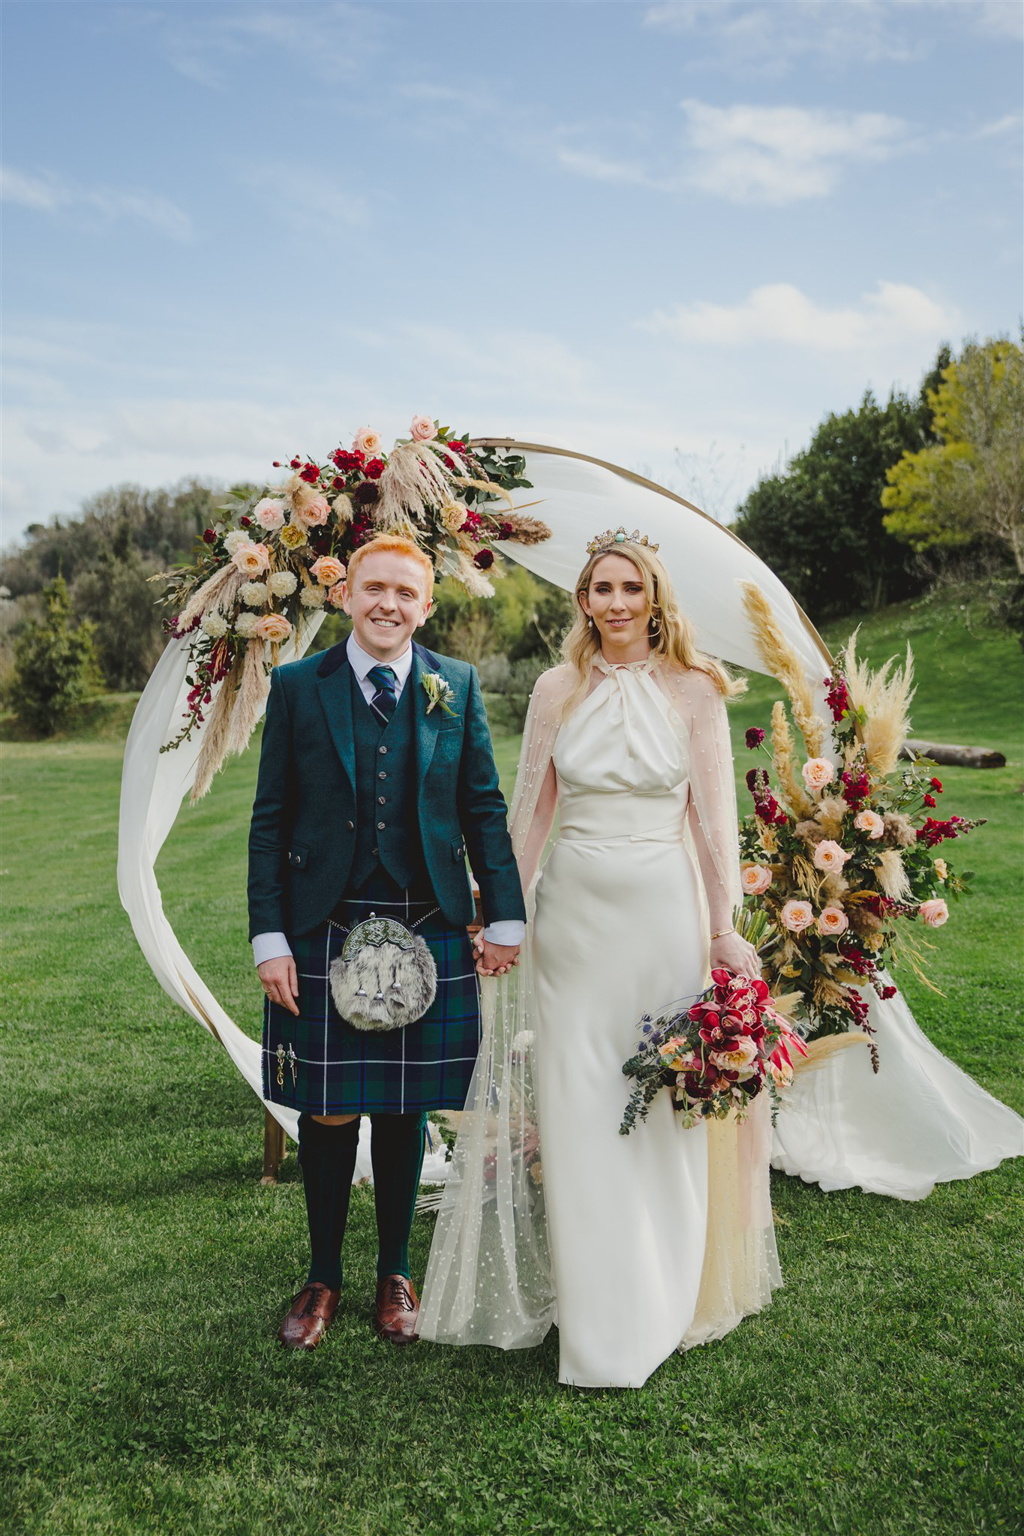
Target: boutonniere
{"x": 438, "y": 691}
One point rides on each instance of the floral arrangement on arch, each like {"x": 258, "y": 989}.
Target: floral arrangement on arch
{"x": 839, "y": 870}
{"x": 274, "y": 560}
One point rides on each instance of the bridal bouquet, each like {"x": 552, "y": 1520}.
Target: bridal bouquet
{"x": 276, "y": 557}
{"x": 839, "y": 867}
{"x": 715, "y": 1056}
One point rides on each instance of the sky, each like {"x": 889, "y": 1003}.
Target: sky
{"x": 673, "y": 236}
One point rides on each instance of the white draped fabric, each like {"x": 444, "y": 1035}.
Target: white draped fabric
{"x": 834, "y": 1131}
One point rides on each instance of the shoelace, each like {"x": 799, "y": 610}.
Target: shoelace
{"x": 399, "y": 1295}
{"x": 310, "y": 1304}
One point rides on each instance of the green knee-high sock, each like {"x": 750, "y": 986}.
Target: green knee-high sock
{"x": 327, "y": 1155}
{"x": 396, "y": 1151}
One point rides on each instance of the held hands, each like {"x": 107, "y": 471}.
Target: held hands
{"x": 494, "y": 959}
{"x": 733, "y": 953}
{"x": 281, "y": 982}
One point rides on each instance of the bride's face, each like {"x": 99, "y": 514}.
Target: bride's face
{"x": 617, "y": 602}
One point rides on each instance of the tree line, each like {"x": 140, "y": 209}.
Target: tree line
{"x": 882, "y": 502}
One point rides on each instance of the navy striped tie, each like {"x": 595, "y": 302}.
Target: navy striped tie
{"x": 385, "y": 700}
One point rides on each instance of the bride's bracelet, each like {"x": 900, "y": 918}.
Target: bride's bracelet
{"x": 723, "y": 933}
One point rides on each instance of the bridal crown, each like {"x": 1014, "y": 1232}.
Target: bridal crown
{"x": 613, "y": 536}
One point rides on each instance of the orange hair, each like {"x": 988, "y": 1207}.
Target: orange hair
{"x": 393, "y": 544}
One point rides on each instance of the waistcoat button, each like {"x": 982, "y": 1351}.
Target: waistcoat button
{"x": 382, "y": 751}
{"x": 380, "y": 826}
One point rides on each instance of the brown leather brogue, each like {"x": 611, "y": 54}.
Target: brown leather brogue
{"x": 310, "y": 1316}
{"x": 398, "y": 1309}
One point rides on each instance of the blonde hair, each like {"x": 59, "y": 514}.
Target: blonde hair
{"x": 393, "y": 544}
{"x": 671, "y": 633}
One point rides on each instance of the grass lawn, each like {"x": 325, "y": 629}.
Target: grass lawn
{"x": 145, "y": 1271}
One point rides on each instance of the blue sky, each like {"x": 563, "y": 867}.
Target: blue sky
{"x": 670, "y": 235}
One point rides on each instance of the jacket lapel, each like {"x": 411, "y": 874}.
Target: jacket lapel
{"x": 334, "y": 687}
{"x": 426, "y": 724}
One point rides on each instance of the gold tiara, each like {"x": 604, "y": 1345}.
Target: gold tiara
{"x": 613, "y": 536}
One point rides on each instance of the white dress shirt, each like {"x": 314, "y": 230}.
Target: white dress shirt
{"x": 272, "y": 946}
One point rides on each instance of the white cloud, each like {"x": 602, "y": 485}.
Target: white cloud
{"x": 596, "y": 167}
{"x": 779, "y": 313}
{"x": 48, "y": 194}
{"x": 1010, "y": 123}
{"x": 781, "y": 154}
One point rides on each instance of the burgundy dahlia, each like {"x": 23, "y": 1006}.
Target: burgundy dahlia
{"x": 483, "y": 559}
{"x": 754, "y": 737}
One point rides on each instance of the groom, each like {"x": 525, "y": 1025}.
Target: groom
{"x": 369, "y": 798}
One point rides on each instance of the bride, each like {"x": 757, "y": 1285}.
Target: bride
{"x": 635, "y": 1245}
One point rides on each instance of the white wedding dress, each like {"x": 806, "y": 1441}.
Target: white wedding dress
{"x": 637, "y": 1245}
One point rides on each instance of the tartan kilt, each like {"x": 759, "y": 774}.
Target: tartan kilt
{"x": 330, "y": 1068}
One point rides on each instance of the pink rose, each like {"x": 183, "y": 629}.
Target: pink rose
{"x": 832, "y": 921}
{"x": 328, "y": 570}
{"x": 273, "y": 626}
{"x": 423, "y": 429}
{"x": 797, "y": 915}
{"x": 869, "y": 822}
{"x": 829, "y": 856}
{"x": 269, "y": 513}
{"x": 755, "y": 878}
{"x": 366, "y": 441}
{"x": 933, "y": 913}
{"x": 818, "y": 772}
{"x": 314, "y": 512}
{"x": 251, "y": 559}
{"x": 336, "y": 596}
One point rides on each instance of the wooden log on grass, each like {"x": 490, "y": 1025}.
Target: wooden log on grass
{"x": 952, "y": 756}
{"x": 274, "y": 1143}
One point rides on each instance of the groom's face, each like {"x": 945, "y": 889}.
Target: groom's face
{"x": 387, "y": 602}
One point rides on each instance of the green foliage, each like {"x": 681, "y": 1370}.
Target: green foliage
{"x": 970, "y": 483}
{"x": 119, "y": 599}
{"x": 818, "y": 523}
{"x": 525, "y": 618}
{"x": 54, "y": 665}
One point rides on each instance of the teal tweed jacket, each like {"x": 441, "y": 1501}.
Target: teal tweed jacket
{"x": 303, "y": 830}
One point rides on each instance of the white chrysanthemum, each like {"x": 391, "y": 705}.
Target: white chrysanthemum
{"x": 234, "y": 538}
{"x": 245, "y": 625}
{"x": 312, "y": 597}
{"x": 214, "y": 624}
{"x": 253, "y": 594}
{"x": 282, "y": 583}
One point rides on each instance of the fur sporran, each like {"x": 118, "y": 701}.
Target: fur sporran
{"x": 385, "y": 976}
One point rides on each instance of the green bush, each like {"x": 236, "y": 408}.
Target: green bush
{"x": 54, "y": 665}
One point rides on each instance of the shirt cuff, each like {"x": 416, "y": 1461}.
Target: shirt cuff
{"x": 510, "y": 932}
{"x": 270, "y": 946}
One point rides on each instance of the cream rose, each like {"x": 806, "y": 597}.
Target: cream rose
{"x": 832, "y": 921}
{"x": 293, "y": 536}
{"x": 818, "y": 772}
{"x": 312, "y": 597}
{"x": 328, "y": 570}
{"x": 933, "y": 913}
{"x": 366, "y": 441}
{"x": 269, "y": 513}
{"x": 453, "y": 515}
{"x": 755, "y": 878}
{"x": 829, "y": 856}
{"x": 941, "y": 869}
{"x": 245, "y": 625}
{"x": 282, "y": 583}
{"x": 869, "y": 822}
{"x": 251, "y": 559}
{"x": 253, "y": 594}
{"x": 422, "y": 429}
{"x": 214, "y": 624}
{"x": 314, "y": 512}
{"x": 273, "y": 626}
{"x": 797, "y": 915}
{"x": 336, "y": 596}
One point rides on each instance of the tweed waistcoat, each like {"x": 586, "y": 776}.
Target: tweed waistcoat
{"x": 387, "y": 835}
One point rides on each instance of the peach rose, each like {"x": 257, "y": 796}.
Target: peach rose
{"x": 423, "y": 429}
{"x": 740, "y": 1059}
{"x": 797, "y": 915}
{"x": 251, "y": 559}
{"x": 273, "y": 626}
{"x": 755, "y": 878}
{"x": 832, "y": 921}
{"x": 366, "y": 441}
{"x": 782, "y": 1073}
{"x": 314, "y": 512}
{"x": 336, "y": 596}
{"x": 818, "y": 772}
{"x": 830, "y": 857}
{"x": 869, "y": 822}
{"x": 269, "y": 513}
{"x": 942, "y": 869}
{"x": 328, "y": 570}
{"x": 933, "y": 913}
